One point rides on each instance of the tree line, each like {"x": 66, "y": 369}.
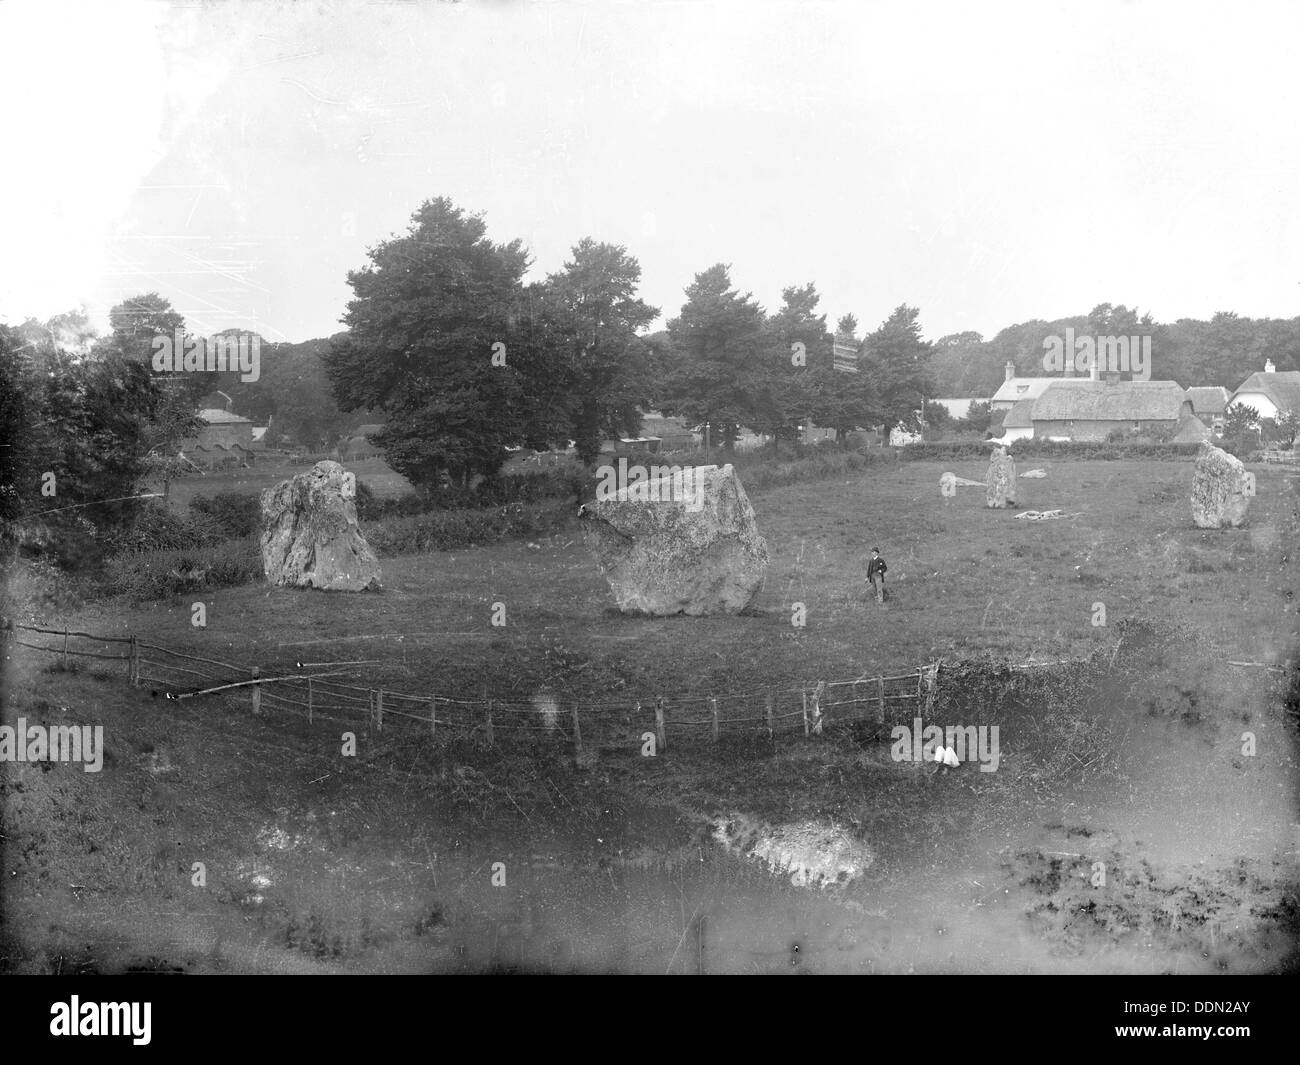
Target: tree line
{"x": 462, "y": 360}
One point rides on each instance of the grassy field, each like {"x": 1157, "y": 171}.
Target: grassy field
{"x": 383, "y": 862}
{"x": 964, "y": 580}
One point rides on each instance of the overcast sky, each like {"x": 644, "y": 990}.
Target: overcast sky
{"x": 988, "y": 163}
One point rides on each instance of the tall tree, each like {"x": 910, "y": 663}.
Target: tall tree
{"x": 77, "y": 450}
{"x": 434, "y": 342}
{"x": 718, "y": 351}
{"x": 172, "y": 397}
{"x": 896, "y": 362}
{"x": 595, "y": 315}
{"x": 799, "y": 356}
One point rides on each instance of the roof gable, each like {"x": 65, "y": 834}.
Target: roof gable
{"x": 1208, "y": 399}
{"x": 1281, "y": 389}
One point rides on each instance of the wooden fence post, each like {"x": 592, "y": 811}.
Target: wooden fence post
{"x": 769, "y": 715}
{"x": 379, "y": 710}
{"x": 577, "y": 731}
{"x": 257, "y": 693}
{"x": 659, "y": 723}
{"x": 713, "y": 709}
{"x": 880, "y": 705}
{"x": 817, "y": 708}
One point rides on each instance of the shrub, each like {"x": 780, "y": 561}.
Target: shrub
{"x": 236, "y": 514}
{"x": 157, "y": 574}
{"x": 159, "y": 528}
{"x": 1243, "y": 445}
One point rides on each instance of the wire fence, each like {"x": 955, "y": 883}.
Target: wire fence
{"x": 317, "y": 691}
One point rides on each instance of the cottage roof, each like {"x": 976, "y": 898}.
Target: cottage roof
{"x": 1017, "y": 388}
{"x": 217, "y": 416}
{"x": 1281, "y": 389}
{"x": 1208, "y": 399}
{"x": 1020, "y": 416}
{"x": 1122, "y": 401}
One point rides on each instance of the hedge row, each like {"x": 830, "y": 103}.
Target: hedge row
{"x": 446, "y": 530}
{"x": 1050, "y": 449}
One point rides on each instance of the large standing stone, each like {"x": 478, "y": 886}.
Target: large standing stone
{"x": 310, "y": 537}
{"x": 1221, "y": 489}
{"x": 679, "y": 545}
{"x": 1000, "y": 483}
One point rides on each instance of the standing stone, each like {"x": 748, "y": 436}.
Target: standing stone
{"x": 1001, "y": 480}
{"x": 310, "y": 537}
{"x": 1221, "y": 489}
{"x": 684, "y": 544}
{"x": 948, "y": 485}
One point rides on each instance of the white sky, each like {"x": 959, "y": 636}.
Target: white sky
{"x": 987, "y": 162}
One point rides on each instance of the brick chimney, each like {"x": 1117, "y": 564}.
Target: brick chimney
{"x": 1011, "y": 370}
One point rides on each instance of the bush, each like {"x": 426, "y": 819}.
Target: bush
{"x": 159, "y": 528}
{"x": 236, "y": 514}
{"x": 1243, "y": 445}
{"x": 159, "y": 574}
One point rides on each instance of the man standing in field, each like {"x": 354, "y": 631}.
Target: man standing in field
{"x": 876, "y": 574}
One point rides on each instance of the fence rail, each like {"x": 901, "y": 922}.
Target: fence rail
{"x": 807, "y": 709}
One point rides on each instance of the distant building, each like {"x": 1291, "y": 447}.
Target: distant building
{"x": 648, "y": 445}
{"x": 225, "y": 439}
{"x": 673, "y": 433}
{"x": 1018, "y": 424}
{"x": 1208, "y": 404}
{"x": 1090, "y": 410}
{"x": 1015, "y": 389}
{"x": 900, "y": 437}
{"x": 1269, "y": 392}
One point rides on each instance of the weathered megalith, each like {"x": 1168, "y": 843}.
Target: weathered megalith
{"x": 310, "y": 537}
{"x": 1000, "y": 490}
{"x": 679, "y": 543}
{"x": 1221, "y": 489}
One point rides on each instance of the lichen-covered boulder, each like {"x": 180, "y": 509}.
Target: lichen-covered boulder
{"x": 683, "y": 542}
{"x": 1221, "y": 489}
{"x": 310, "y": 537}
{"x": 1000, "y": 484}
